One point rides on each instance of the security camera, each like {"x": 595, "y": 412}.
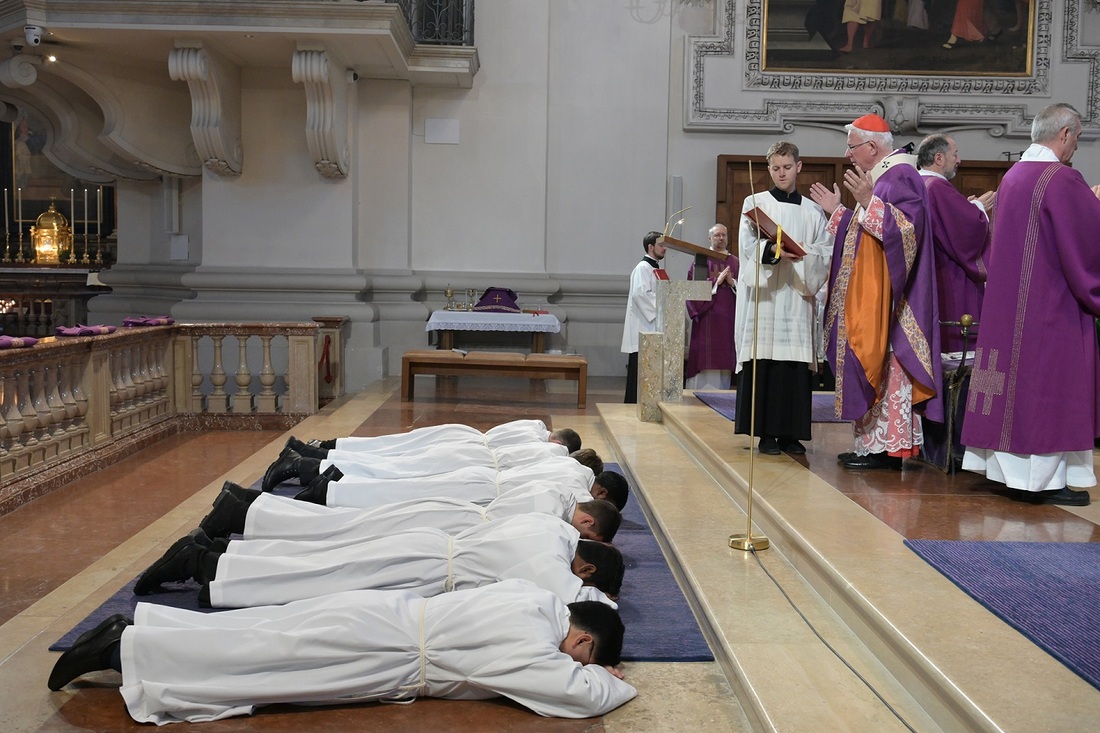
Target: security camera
{"x": 33, "y": 35}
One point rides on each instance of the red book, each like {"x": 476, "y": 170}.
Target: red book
{"x": 768, "y": 231}
{"x": 661, "y": 274}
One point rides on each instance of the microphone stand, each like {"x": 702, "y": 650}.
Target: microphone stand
{"x": 748, "y": 541}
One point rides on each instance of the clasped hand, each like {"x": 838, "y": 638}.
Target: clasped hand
{"x": 856, "y": 180}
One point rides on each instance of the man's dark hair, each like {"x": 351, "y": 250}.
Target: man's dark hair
{"x": 618, "y": 489}
{"x": 603, "y": 622}
{"x": 609, "y": 565}
{"x": 568, "y": 438}
{"x": 605, "y": 514}
{"x": 930, "y": 147}
{"x": 649, "y": 240}
{"x": 588, "y": 457}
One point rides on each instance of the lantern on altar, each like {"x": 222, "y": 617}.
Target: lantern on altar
{"x": 51, "y": 237}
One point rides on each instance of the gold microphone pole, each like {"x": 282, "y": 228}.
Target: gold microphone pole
{"x": 749, "y": 541}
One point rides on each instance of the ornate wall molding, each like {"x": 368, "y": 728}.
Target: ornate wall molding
{"x": 775, "y": 102}
{"x": 326, "y": 86}
{"x": 215, "y": 86}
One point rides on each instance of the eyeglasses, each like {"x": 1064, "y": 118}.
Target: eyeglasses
{"x": 865, "y": 142}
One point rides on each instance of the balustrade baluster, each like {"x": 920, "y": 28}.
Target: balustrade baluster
{"x": 127, "y": 377}
{"x": 13, "y": 418}
{"x": 38, "y": 400}
{"x": 118, "y": 389}
{"x": 267, "y": 400}
{"x": 242, "y": 400}
{"x": 5, "y": 434}
{"x": 53, "y": 400}
{"x": 196, "y": 378}
{"x": 65, "y": 379}
{"x": 80, "y": 397}
{"x": 26, "y": 408}
{"x": 219, "y": 399}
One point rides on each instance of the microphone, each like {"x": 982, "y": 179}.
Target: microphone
{"x": 669, "y": 222}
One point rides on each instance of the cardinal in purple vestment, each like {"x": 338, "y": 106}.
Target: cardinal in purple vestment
{"x": 882, "y": 316}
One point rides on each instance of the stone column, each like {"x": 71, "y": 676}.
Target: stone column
{"x": 661, "y": 353}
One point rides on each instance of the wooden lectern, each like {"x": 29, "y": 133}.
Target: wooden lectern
{"x": 701, "y": 254}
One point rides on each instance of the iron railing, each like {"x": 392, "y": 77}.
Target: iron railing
{"x": 441, "y": 22}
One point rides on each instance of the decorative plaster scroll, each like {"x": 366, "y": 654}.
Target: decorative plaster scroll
{"x": 326, "y": 86}
{"x": 1074, "y": 49}
{"x": 19, "y": 71}
{"x": 909, "y": 102}
{"x": 215, "y": 86}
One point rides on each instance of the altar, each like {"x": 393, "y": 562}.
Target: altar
{"x": 446, "y": 322}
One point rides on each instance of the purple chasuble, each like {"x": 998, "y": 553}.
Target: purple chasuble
{"x": 914, "y": 334}
{"x": 1035, "y": 387}
{"x": 712, "y": 345}
{"x": 961, "y": 235}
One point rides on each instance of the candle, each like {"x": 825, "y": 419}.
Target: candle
{"x": 72, "y": 210}
{"x": 7, "y": 227}
{"x": 86, "y": 213}
{"x": 98, "y": 210}
{"x": 19, "y": 209}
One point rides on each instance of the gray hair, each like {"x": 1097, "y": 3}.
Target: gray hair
{"x": 1049, "y": 122}
{"x": 885, "y": 140}
{"x": 930, "y": 147}
{"x": 714, "y": 228}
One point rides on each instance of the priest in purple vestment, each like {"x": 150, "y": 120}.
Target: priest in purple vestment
{"x": 712, "y": 356}
{"x": 882, "y": 316}
{"x": 960, "y": 233}
{"x": 1034, "y": 406}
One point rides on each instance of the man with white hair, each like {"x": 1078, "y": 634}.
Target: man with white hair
{"x": 960, "y": 233}
{"x": 882, "y": 316}
{"x": 712, "y": 354}
{"x": 1033, "y": 410}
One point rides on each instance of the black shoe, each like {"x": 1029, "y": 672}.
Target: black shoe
{"x": 329, "y": 444}
{"x": 1062, "y": 497}
{"x": 89, "y": 653}
{"x": 289, "y": 465}
{"x": 793, "y": 447}
{"x": 845, "y": 456}
{"x": 177, "y": 564}
{"x": 769, "y": 446}
{"x": 317, "y": 491}
{"x": 873, "y": 461}
{"x": 304, "y": 449}
{"x": 239, "y": 492}
{"x": 226, "y": 517}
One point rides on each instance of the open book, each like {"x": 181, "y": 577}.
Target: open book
{"x": 768, "y": 230}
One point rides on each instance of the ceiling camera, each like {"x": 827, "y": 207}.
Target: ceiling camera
{"x": 33, "y": 35}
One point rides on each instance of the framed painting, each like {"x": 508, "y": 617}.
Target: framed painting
{"x": 964, "y": 38}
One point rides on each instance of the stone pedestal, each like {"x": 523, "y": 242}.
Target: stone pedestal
{"x": 661, "y": 353}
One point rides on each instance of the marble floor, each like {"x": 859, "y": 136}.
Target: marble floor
{"x": 834, "y": 562}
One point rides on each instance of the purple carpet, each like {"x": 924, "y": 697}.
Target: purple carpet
{"x": 659, "y": 624}
{"x": 1048, "y": 591}
{"x": 725, "y": 404}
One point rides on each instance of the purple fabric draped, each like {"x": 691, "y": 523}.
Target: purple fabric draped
{"x": 914, "y": 334}
{"x": 712, "y": 345}
{"x": 961, "y": 236}
{"x": 1035, "y": 387}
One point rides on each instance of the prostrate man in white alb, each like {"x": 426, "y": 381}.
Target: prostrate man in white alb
{"x": 257, "y": 515}
{"x": 509, "y": 433}
{"x": 535, "y": 547}
{"x": 508, "y": 639}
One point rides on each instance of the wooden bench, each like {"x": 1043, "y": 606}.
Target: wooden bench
{"x": 445, "y": 363}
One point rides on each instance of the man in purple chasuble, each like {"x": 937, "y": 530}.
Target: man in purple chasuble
{"x": 882, "y": 316}
{"x": 711, "y": 356}
{"x": 960, "y": 233}
{"x": 1033, "y": 411}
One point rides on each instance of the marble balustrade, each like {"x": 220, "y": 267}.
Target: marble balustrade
{"x": 70, "y": 398}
